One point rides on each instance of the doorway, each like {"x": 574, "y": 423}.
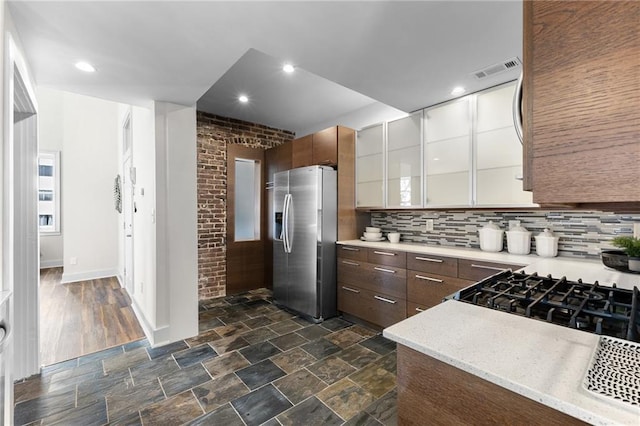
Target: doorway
{"x": 245, "y": 210}
{"x": 20, "y": 263}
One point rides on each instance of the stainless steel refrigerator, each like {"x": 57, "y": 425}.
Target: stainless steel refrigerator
{"x": 304, "y": 251}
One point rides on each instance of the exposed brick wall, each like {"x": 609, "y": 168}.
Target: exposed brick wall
{"x": 214, "y": 134}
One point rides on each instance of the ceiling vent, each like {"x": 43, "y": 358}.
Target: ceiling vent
{"x": 497, "y": 68}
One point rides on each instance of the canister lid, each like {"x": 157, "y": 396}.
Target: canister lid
{"x": 491, "y": 225}
{"x": 546, "y": 233}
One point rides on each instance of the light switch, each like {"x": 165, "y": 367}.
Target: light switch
{"x": 153, "y": 215}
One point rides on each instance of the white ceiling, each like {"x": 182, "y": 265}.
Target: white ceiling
{"x": 352, "y": 57}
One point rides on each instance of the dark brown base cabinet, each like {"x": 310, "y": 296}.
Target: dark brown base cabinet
{"x": 435, "y": 393}
{"x": 383, "y": 287}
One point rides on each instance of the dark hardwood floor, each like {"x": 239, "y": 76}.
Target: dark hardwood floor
{"x": 83, "y": 317}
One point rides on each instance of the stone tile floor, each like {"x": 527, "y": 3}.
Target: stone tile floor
{"x": 252, "y": 363}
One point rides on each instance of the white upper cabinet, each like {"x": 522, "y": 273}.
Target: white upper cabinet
{"x": 370, "y": 167}
{"x": 498, "y": 151}
{"x": 462, "y": 153}
{"x": 404, "y": 164}
{"x": 447, "y": 154}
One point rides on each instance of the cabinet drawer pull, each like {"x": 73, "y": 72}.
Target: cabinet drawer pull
{"x": 493, "y": 268}
{"x": 428, "y": 259}
{"x": 384, "y": 299}
{"x": 422, "y": 277}
{"x": 347, "y": 262}
{"x": 384, "y": 253}
{"x": 391, "y": 271}
{"x": 350, "y": 289}
{"x": 350, "y": 248}
{"x": 420, "y": 310}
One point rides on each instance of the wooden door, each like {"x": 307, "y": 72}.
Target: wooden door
{"x": 245, "y": 218}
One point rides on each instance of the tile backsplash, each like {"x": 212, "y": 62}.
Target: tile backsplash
{"x": 582, "y": 233}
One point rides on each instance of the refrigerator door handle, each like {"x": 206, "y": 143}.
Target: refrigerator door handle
{"x": 285, "y": 223}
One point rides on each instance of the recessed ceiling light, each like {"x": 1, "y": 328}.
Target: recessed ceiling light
{"x": 436, "y": 159}
{"x": 458, "y": 90}
{"x": 243, "y": 98}
{"x": 85, "y": 66}
{"x": 288, "y": 68}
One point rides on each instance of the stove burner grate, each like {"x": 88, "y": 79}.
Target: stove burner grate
{"x": 590, "y": 307}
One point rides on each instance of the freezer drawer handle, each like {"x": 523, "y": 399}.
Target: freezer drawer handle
{"x": 422, "y": 277}
{"x": 493, "y": 268}
{"x": 350, "y": 289}
{"x": 420, "y": 310}
{"x": 384, "y": 253}
{"x": 350, "y": 248}
{"x": 391, "y": 271}
{"x": 384, "y": 299}
{"x": 346, "y": 262}
{"x": 428, "y": 259}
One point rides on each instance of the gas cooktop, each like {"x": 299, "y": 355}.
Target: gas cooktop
{"x": 594, "y": 308}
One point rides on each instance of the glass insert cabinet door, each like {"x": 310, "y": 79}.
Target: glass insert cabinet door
{"x": 447, "y": 153}
{"x": 498, "y": 151}
{"x": 404, "y": 164}
{"x": 370, "y": 167}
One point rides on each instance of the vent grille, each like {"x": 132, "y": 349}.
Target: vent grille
{"x": 497, "y": 68}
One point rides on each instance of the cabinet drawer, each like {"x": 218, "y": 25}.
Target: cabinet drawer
{"x": 428, "y": 289}
{"x": 476, "y": 270}
{"x": 383, "y": 279}
{"x": 352, "y": 252}
{"x": 379, "y": 309}
{"x": 434, "y": 264}
{"x": 415, "y": 308}
{"x": 387, "y": 257}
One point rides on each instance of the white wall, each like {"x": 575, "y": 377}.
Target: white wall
{"x": 176, "y": 221}
{"x": 85, "y": 130}
{"x": 50, "y": 139}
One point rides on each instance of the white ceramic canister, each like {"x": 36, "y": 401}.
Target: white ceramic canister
{"x": 491, "y": 237}
{"x": 547, "y": 244}
{"x": 518, "y": 240}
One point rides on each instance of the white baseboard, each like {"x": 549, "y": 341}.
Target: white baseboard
{"x": 156, "y": 336}
{"x": 89, "y": 275}
{"x": 121, "y": 281}
{"x": 51, "y": 263}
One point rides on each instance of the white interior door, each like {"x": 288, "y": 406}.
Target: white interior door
{"x": 128, "y": 206}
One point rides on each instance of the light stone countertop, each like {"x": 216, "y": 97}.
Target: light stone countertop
{"x": 587, "y": 269}
{"x": 547, "y": 363}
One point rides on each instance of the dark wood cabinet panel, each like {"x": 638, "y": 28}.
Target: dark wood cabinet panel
{"x": 325, "y": 147}
{"x": 387, "y": 257}
{"x": 428, "y": 290}
{"x": 278, "y": 159}
{"x": 376, "y": 308}
{"x": 475, "y": 270}
{"x": 352, "y": 252}
{"x": 440, "y": 265}
{"x": 381, "y": 279}
{"x": 302, "y": 152}
{"x": 415, "y": 308}
{"x": 582, "y": 101}
{"x": 431, "y": 389}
